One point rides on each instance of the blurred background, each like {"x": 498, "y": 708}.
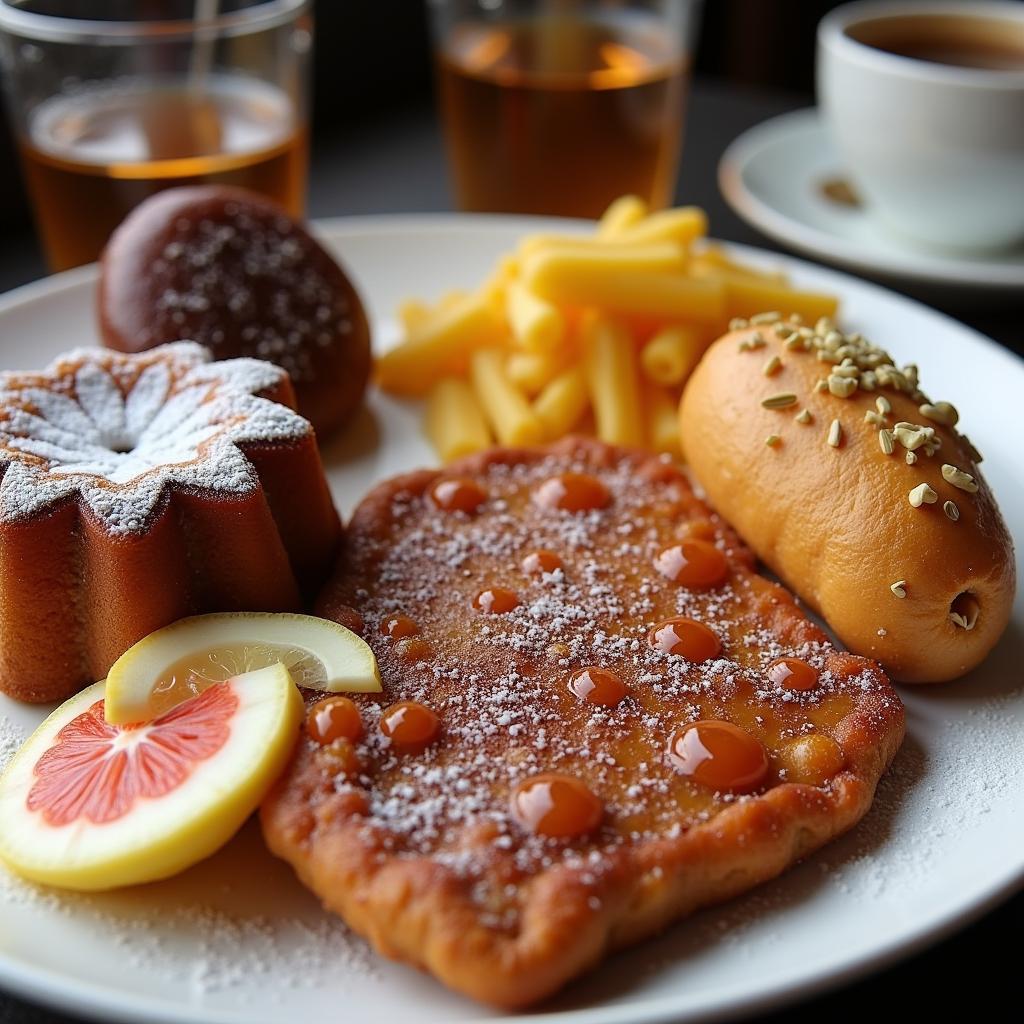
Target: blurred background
{"x": 376, "y": 136}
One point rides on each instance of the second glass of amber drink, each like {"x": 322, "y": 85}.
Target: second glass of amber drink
{"x": 560, "y": 106}
{"x": 149, "y": 95}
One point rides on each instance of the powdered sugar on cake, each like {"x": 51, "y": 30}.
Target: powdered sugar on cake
{"x": 252, "y": 271}
{"x": 118, "y": 430}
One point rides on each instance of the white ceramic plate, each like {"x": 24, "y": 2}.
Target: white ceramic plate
{"x": 772, "y": 176}
{"x": 237, "y": 940}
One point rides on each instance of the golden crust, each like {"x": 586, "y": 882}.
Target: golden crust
{"x": 521, "y": 921}
{"x": 836, "y": 523}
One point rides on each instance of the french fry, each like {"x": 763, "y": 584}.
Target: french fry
{"x": 629, "y": 224}
{"x": 453, "y": 298}
{"x": 561, "y": 405}
{"x": 747, "y": 296}
{"x": 504, "y": 406}
{"x": 593, "y": 332}
{"x": 531, "y": 245}
{"x": 627, "y": 279}
{"x": 587, "y": 259}
{"x": 439, "y": 346}
{"x": 670, "y": 355}
{"x": 610, "y": 367}
{"x": 713, "y": 259}
{"x": 495, "y": 286}
{"x": 453, "y": 420}
{"x": 413, "y": 314}
{"x": 682, "y": 225}
{"x": 662, "y": 411}
{"x": 536, "y": 324}
{"x": 623, "y": 213}
{"x": 531, "y": 371}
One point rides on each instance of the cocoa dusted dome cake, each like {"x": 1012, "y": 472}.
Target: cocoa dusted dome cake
{"x": 137, "y": 489}
{"x": 230, "y": 269}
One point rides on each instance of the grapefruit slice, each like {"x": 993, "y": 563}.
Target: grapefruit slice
{"x": 182, "y": 659}
{"x": 89, "y": 805}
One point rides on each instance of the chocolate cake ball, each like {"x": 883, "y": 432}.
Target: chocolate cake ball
{"x": 230, "y": 269}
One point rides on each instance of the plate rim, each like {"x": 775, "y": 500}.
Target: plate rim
{"x": 813, "y": 241}
{"x": 482, "y": 223}
{"x": 51, "y": 988}
{"x": 95, "y": 1002}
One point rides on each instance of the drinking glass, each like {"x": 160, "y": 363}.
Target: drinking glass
{"x": 108, "y": 108}
{"x": 559, "y": 106}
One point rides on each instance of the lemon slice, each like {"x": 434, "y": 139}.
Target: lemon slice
{"x": 182, "y": 659}
{"x": 89, "y": 805}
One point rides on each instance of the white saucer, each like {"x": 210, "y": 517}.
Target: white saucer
{"x": 772, "y": 176}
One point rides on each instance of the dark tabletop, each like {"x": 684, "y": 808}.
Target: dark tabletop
{"x": 396, "y": 165}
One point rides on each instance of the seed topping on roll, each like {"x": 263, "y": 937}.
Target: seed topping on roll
{"x": 940, "y": 412}
{"x": 857, "y": 364}
{"x": 922, "y": 494}
{"x": 755, "y": 341}
{"x": 780, "y": 401}
{"x": 958, "y": 478}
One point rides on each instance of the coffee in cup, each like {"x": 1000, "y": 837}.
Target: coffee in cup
{"x": 925, "y": 101}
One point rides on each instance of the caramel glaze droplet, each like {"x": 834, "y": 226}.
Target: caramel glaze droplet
{"x": 693, "y": 563}
{"x": 341, "y": 758}
{"x": 336, "y": 718}
{"x": 541, "y": 561}
{"x": 458, "y": 495}
{"x": 793, "y": 674}
{"x": 556, "y": 805}
{"x": 597, "y": 686}
{"x": 813, "y": 759}
{"x": 572, "y": 492}
{"x": 411, "y": 727}
{"x": 496, "y": 601}
{"x": 398, "y": 626}
{"x": 719, "y": 755}
{"x": 686, "y": 638}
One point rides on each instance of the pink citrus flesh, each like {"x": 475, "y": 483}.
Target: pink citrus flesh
{"x": 89, "y": 805}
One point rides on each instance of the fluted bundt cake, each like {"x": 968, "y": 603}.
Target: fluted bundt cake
{"x": 137, "y": 489}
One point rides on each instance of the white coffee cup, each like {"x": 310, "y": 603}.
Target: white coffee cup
{"x": 936, "y": 150}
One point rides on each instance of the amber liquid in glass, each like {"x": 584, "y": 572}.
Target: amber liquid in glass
{"x": 90, "y": 158}
{"x": 561, "y": 116}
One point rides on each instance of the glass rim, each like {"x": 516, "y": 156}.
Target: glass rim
{"x": 56, "y": 29}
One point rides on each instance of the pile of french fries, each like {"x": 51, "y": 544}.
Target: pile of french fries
{"x": 584, "y": 334}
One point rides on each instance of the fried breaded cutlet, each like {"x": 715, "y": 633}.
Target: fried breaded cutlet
{"x": 605, "y": 720}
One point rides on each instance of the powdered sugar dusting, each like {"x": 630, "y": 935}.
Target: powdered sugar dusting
{"x": 499, "y": 681}
{"x": 978, "y": 750}
{"x": 11, "y": 738}
{"x": 211, "y": 932}
{"x": 118, "y": 430}
{"x": 248, "y": 279}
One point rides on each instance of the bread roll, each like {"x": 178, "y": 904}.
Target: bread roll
{"x": 909, "y": 562}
